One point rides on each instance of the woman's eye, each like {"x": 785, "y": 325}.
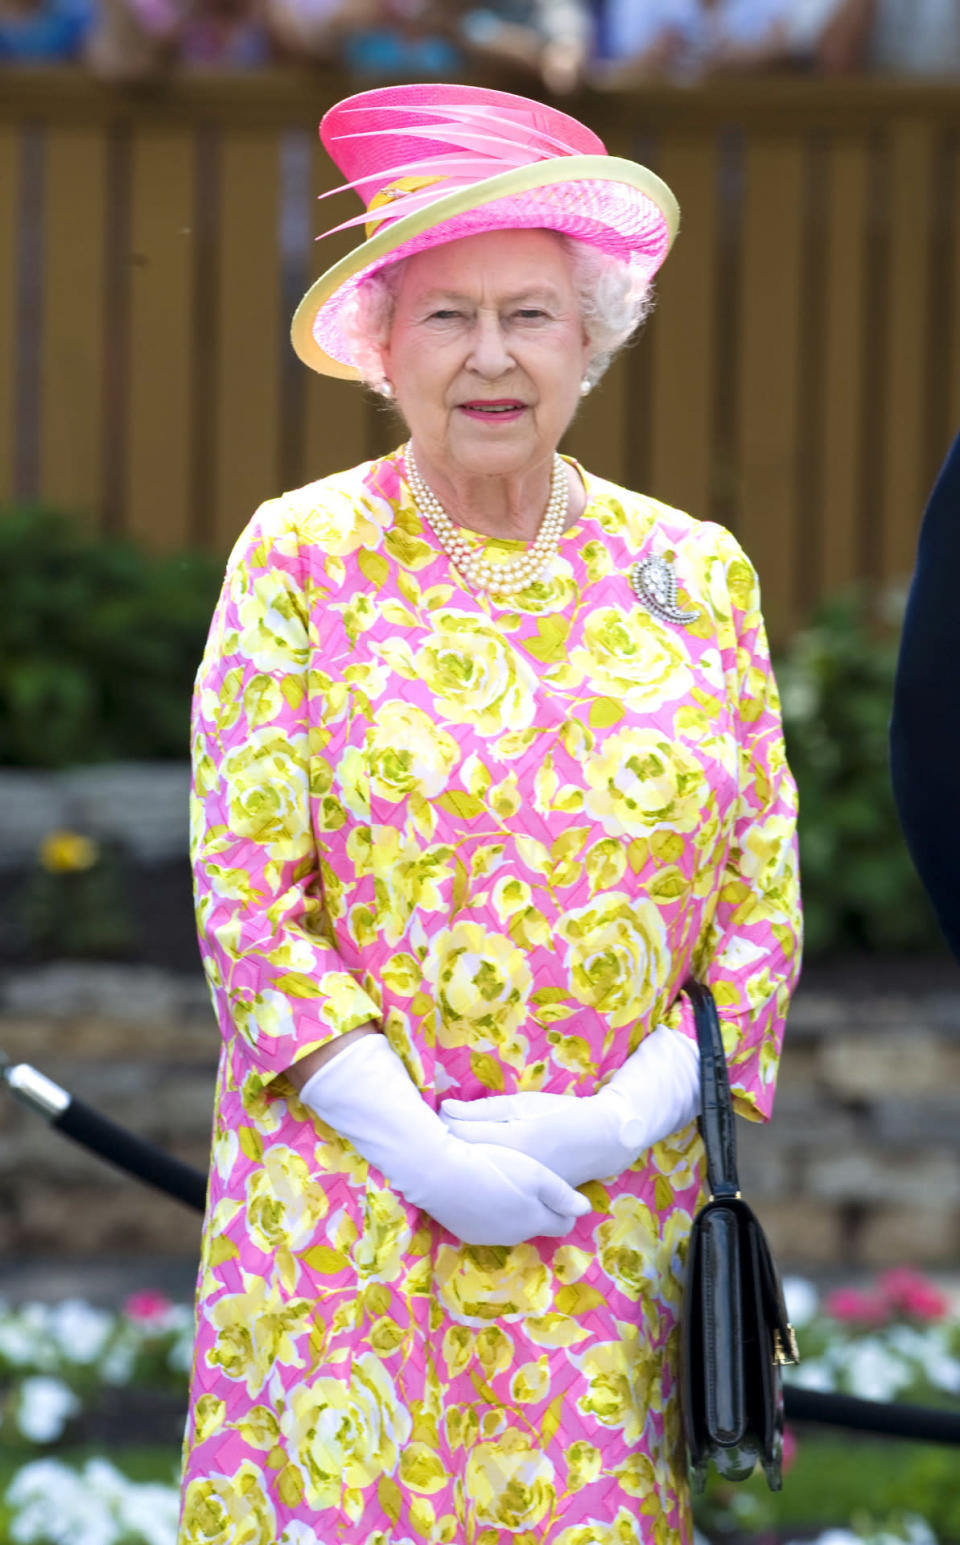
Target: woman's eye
{"x": 530, "y": 314}
{"x": 444, "y": 316}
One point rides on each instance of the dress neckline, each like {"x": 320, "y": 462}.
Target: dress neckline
{"x": 509, "y": 544}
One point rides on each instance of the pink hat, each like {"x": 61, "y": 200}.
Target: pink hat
{"x": 433, "y": 163}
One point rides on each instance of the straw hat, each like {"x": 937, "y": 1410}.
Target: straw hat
{"x": 436, "y": 162}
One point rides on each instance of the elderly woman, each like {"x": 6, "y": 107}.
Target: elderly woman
{"x": 487, "y": 764}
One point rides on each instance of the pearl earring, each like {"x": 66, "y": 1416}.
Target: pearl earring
{"x": 384, "y": 389}
{"x": 586, "y": 387}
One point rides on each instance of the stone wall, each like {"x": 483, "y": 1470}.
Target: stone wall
{"x": 860, "y": 1167}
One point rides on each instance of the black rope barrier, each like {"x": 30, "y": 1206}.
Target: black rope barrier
{"x": 147, "y": 1162}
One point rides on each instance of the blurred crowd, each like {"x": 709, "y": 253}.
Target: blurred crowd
{"x": 561, "y": 43}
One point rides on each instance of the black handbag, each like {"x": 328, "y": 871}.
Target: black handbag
{"x": 735, "y": 1332}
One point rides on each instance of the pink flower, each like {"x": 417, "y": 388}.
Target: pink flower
{"x": 850, "y": 1305}
{"x": 147, "y": 1307}
{"x": 907, "y": 1292}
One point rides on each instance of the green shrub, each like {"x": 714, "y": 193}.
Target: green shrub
{"x": 836, "y": 679}
{"x": 99, "y": 643}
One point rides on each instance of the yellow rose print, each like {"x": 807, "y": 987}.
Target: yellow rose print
{"x": 271, "y": 623}
{"x": 265, "y": 781}
{"x": 638, "y": 780}
{"x": 229, "y": 1510}
{"x": 617, "y": 957}
{"x": 408, "y": 754}
{"x": 629, "y": 1248}
{"x": 478, "y": 1283}
{"x": 481, "y": 985}
{"x": 510, "y": 1483}
{"x": 475, "y": 676}
{"x": 256, "y": 1330}
{"x": 621, "y": 1384}
{"x": 285, "y": 1203}
{"x": 345, "y": 1431}
{"x": 626, "y": 655}
{"x": 381, "y": 1251}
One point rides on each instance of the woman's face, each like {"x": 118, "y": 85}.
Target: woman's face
{"x": 487, "y": 351}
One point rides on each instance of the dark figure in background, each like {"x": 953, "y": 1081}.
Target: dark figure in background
{"x": 925, "y": 734}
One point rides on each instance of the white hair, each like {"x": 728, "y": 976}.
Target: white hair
{"x": 613, "y": 297}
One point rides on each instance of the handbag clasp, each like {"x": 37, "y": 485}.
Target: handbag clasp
{"x": 792, "y": 1353}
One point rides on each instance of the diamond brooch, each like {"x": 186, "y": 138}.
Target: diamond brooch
{"x": 654, "y": 584}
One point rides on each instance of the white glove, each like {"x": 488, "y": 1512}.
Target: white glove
{"x": 591, "y": 1137}
{"x": 484, "y": 1195}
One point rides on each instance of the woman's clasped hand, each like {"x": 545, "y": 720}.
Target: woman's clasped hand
{"x": 589, "y": 1137}
{"x": 485, "y": 1194}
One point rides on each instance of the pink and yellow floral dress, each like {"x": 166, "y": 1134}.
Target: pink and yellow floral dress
{"x": 508, "y": 833}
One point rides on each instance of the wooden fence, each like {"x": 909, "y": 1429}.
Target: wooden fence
{"x": 800, "y": 380}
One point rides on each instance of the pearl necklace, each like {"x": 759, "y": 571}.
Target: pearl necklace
{"x": 499, "y": 578}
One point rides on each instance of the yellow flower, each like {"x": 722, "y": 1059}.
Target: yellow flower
{"x": 629, "y": 1248}
{"x": 638, "y": 780}
{"x": 339, "y": 523}
{"x": 209, "y": 1415}
{"x": 272, "y": 626}
{"x": 621, "y": 1383}
{"x": 380, "y": 1251}
{"x": 478, "y": 1283}
{"x": 284, "y": 1202}
{"x": 481, "y": 983}
{"x": 617, "y": 957}
{"x": 584, "y": 1463}
{"x": 257, "y": 1329}
{"x": 407, "y": 879}
{"x": 65, "y": 852}
{"x": 626, "y": 656}
{"x": 408, "y": 753}
{"x": 510, "y": 1482}
{"x": 552, "y": 591}
{"x": 475, "y": 676}
{"x": 345, "y": 1432}
{"x": 265, "y": 782}
{"x": 229, "y": 1510}
{"x": 531, "y": 1382}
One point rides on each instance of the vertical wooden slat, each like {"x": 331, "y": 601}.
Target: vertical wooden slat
{"x": 905, "y": 366}
{"x": 9, "y": 226}
{"x": 769, "y": 372}
{"x": 247, "y": 439}
{"x": 682, "y": 335}
{"x": 160, "y": 339}
{"x": 71, "y": 439}
{"x": 599, "y": 437}
{"x": 338, "y": 430}
{"x": 844, "y": 321}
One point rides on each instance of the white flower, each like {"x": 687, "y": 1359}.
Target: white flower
{"x": 801, "y": 1299}
{"x": 812, "y": 1373}
{"x": 80, "y": 1330}
{"x": 54, "y": 1505}
{"x": 118, "y": 1364}
{"x": 872, "y": 1370}
{"x": 46, "y": 1405}
{"x": 18, "y": 1345}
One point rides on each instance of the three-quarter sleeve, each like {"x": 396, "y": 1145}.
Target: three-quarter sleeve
{"x": 279, "y": 986}
{"x": 749, "y": 952}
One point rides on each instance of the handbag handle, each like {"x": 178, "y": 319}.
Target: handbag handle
{"x": 716, "y": 1106}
